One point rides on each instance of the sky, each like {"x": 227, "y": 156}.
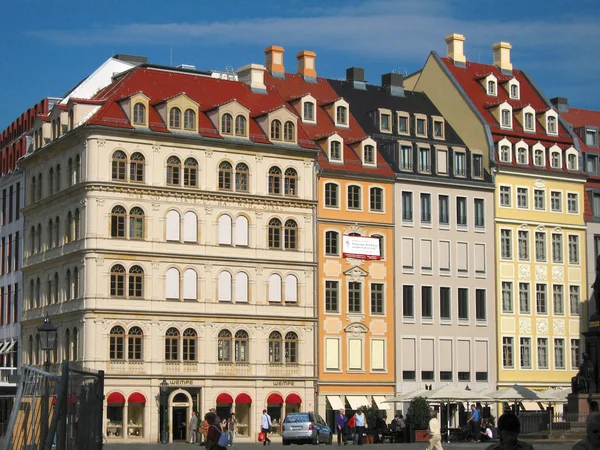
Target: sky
{"x": 46, "y": 47}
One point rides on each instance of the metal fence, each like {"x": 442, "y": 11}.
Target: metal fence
{"x": 6, "y": 405}
{"x": 534, "y": 421}
{"x": 569, "y": 421}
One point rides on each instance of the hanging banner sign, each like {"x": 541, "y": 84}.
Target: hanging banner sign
{"x": 360, "y": 247}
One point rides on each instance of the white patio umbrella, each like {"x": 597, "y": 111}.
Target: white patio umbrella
{"x": 515, "y": 394}
{"x": 407, "y": 396}
{"x": 554, "y": 395}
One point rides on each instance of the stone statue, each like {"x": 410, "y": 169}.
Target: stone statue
{"x": 585, "y": 380}
{"x": 596, "y": 287}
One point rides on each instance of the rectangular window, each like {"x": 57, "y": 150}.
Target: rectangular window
{"x": 408, "y": 301}
{"x": 438, "y": 129}
{"x": 573, "y": 249}
{"x": 505, "y": 196}
{"x": 506, "y": 244}
{"x": 460, "y": 169}
{"x": 557, "y": 250}
{"x": 596, "y": 205}
{"x": 385, "y": 122}
{"x": 463, "y": 304}
{"x": 523, "y": 241}
{"x": 354, "y": 297}
{"x": 442, "y": 162}
{"x": 461, "y": 211}
{"x": 332, "y": 295}
{"x": 424, "y": 160}
{"x": 556, "y": 201}
{"x": 354, "y": 200}
{"x": 477, "y": 166}
{"x": 574, "y": 300}
{"x": 11, "y": 205}
{"x": 409, "y": 375}
{"x": 407, "y": 206}
{"x": 479, "y": 213}
{"x": 522, "y": 198}
{"x": 542, "y": 353}
{"x": 377, "y": 298}
{"x": 591, "y": 138}
{"x": 444, "y": 201}
{"x": 572, "y": 203}
{"x": 427, "y": 375}
{"x": 506, "y": 118}
{"x": 480, "y": 305}
{"x": 5, "y": 205}
{"x": 445, "y": 303}
{"x": 403, "y": 124}
{"x": 331, "y": 195}
{"x": 507, "y": 301}
{"x": 559, "y": 353}
{"x": 524, "y": 301}
{"x": 539, "y": 199}
{"x": 426, "y": 302}
{"x": 541, "y": 301}
{"x": 445, "y": 375}
{"x": 426, "y": 208}
{"x": 574, "y": 354}
{"x": 332, "y": 353}
{"x": 17, "y": 247}
{"x": 18, "y": 200}
{"x": 405, "y": 157}
{"x": 421, "y": 128}
{"x": 558, "y": 299}
{"x": 592, "y": 164}
{"x": 540, "y": 246}
{"x": 525, "y": 352}
{"x": 376, "y": 200}
{"x": 507, "y": 352}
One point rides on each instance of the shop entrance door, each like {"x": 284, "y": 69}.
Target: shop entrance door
{"x": 180, "y": 423}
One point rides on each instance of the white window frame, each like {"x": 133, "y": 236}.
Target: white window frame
{"x": 309, "y": 99}
{"x": 385, "y": 112}
{"x": 513, "y": 82}
{"x": 407, "y": 116}
{"x": 335, "y": 138}
{"x": 341, "y": 102}
{"x": 539, "y": 148}
{"x": 417, "y": 118}
{"x": 551, "y": 113}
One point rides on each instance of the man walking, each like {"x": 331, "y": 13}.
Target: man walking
{"x": 361, "y": 423}
{"x": 266, "y": 426}
{"x": 193, "y": 428}
{"x": 435, "y": 436}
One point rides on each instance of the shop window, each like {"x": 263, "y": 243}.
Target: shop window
{"x": 243, "y": 406}
{"x": 275, "y": 410}
{"x": 135, "y": 415}
{"x": 114, "y": 415}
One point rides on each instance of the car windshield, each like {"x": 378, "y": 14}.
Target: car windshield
{"x": 296, "y": 418}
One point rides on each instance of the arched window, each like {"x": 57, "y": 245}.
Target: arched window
{"x": 241, "y": 287}
{"x": 172, "y": 345}
{"x": 241, "y": 230}
{"x": 240, "y": 125}
{"x": 33, "y": 189}
{"x": 551, "y": 124}
{"x": 190, "y": 172}
{"x": 139, "y": 114}
{"x": 136, "y": 223}
{"x": 117, "y": 281}
{"x": 539, "y": 159}
{"x": 51, "y": 181}
{"x": 172, "y": 281}
{"x": 275, "y": 180}
{"x": 31, "y": 360}
{"x": 136, "y": 282}
{"x": 75, "y": 344}
{"x": 173, "y": 171}
{"x": 50, "y": 234}
{"x": 32, "y": 295}
{"x": 55, "y": 293}
{"x": 75, "y": 283}
{"x": 189, "y": 120}
{"x": 69, "y": 228}
{"x": 173, "y": 225}
{"x": 67, "y": 345}
{"x": 134, "y": 344}
{"x": 241, "y": 177}
{"x": 555, "y": 161}
{"x": 225, "y": 170}
{"x": 291, "y": 348}
{"x": 40, "y": 187}
{"x": 70, "y": 173}
{"x": 224, "y": 287}
{"x": 190, "y": 337}
{"x": 68, "y": 286}
{"x": 76, "y": 225}
{"x": 505, "y": 153}
{"x": 117, "y": 343}
{"x": 175, "y": 118}
{"x": 341, "y": 115}
{"x": 190, "y": 227}
{"x": 119, "y": 165}
{"x": 58, "y": 178}
{"x": 117, "y": 221}
{"x": 276, "y": 130}
{"x": 49, "y": 292}
{"x": 225, "y": 230}
{"x": 190, "y": 284}
{"x": 57, "y": 232}
{"x": 291, "y": 289}
{"x": 376, "y": 199}
{"x": 275, "y": 339}
{"x": 335, "y": 151}
{"x": 522, "y": 155}
{"x": 274, "y": 233}
{"x": 289, "y": 131}
{"x": 227, "y": 124}
{"x": 32, "y": 240}
{"x": 514, "y": 91}
{"x": 275, "y": 288}
{"x": 77, "y": 169}
{"x": 291, "y": 179}
{"x": 572, "y": 161}
{"x": 136, "y": 167}
{"x": 491, "y": 87}
{"x": 39, "y": 237}
{"x": 38, "y": 293}
{"x": 241, "y": 346}
{"x": 224, "y": 346}
{"x": 291, "y": 235}
{"x": 309, "y": 111}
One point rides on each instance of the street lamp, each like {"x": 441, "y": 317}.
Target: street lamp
{"x": 164, "y": 435}
{"x": 47, "y": 333}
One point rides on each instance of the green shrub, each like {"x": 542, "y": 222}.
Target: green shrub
{"x": 419, "y": 414}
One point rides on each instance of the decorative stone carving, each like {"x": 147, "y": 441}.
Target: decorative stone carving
{"x": 82, "y": 202}
{"x": 558, "y": 273}
{"x": 208, "y": 268}
{"x": 525, "y": 325}
{"x": 156, "y": 148}
{"x": 155, "y": 264}
{"x": 355, "y": 228}
{"x": 308, "y": 163}
{"x": 356, "y": 273}
{"x": 100, "y": 201}
{"x": 259, "y": 215}
{"x": 208, "y": 210}
{"x": 558, "y": 326}
{"x": 258, "y": 158}
{"x": 540, "y": 228}
{"x": 541, "y": 326}
{"x": 541, "y": 273}
{"x": 209, "y": 153}
{"x": 523, "y": 226}
{"x": 308, "y": 273}
{"x": 307, "y": 219}
{"x": 539, "y": 184}
{"x": 557, "y": 230}
{"x": 259, "y": 270}
{"x": 524, "y": 271}
{"x": 355, "y": 317}
{"x": 101, "y": 143}
{"x": 155, "y": 206}
{"x": 355, "y": 329}
{"x": 100, "y": 261}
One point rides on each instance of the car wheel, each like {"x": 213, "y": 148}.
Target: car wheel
{"x": 285, "y": 442}
{"x": 316, "y": 439}
{"x": 330, "y": 441}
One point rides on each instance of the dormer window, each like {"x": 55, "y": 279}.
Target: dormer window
{"x": 369, "y": 154}
{"x": 438, "y": 128}
{"x": 309, "y": 111}
{"x": 139, "y": 114}
{"x": 421, "y": 125}
{"x": 189, "y": 119}
{"x": 341, "y": 115}
{"x": 491, "y": 87}
{"x": 227, "y": 124}
{"x": 506, "y": 119}
{"x": 505, "y": 154}
{"x": 175, "y": 118}
{"x": 522, "y": 157}
{"x": 529, "y": 122}
{"x": 591, "y": 138}
{"x": 335, "y": 151}
{"x": 514, "y": 91}
{"x": 572, "y": 161}
{"x": 385, "y": 120}
{"x": 71, "y": 119}
{"x": 403, "y": 124}
{"x": 240, "y": 125}
{"x": 289, "y": 131}
{"x": 276, "y": 130}
{"x": 538, "y": 157}
{"x": 551, "y": 120}
{"x": 555, "y": 161}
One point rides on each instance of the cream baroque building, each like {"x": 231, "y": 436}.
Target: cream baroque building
{"x": 170, "y": 235}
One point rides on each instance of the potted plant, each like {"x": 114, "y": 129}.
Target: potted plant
{"x": 417, "y": 419}
{"x": 371, "y": 415}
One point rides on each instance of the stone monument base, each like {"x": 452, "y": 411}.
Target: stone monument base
{"x": 583, "y": 403}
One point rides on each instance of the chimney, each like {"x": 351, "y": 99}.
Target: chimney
{"x": 455, "y": 49}
{"x": 561, "y": 104}
{"x": 356, "y": 75}
{"x": 254, "y": 76}
{"x": 393, "y": 83}
{"x": 502, "y": 57}
{"x": 306, "y": 65}
{"x": 274, "y": 60}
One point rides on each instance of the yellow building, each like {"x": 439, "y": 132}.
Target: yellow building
{"x": 539, "y": 200}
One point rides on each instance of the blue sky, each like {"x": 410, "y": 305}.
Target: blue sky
{"x": 48, "y": 46}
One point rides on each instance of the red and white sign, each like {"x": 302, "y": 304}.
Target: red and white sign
{"x": 360, "y": 247}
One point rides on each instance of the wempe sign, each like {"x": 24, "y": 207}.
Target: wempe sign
{"x": 360, "y": 247}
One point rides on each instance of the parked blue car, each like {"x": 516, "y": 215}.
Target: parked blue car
{"x": 305, "y": 427}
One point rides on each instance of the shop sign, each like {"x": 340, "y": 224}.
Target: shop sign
{"x": 283, "y": 383}
{"x": 179, "y": 382}
{"x": 360, "y": 247}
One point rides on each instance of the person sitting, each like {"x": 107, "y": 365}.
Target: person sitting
{"x": 486, "y": 433}
{"x": 592, "y": 433}
{"x": 509, "y": 428}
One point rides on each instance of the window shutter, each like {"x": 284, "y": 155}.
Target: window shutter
{"x": 408, "y": 355}
{"x": 190, "y": 285}
{"x": 464, "y": 356}
{"x": 241, "y": 230}
{"x": 378, "y": 354}
{"x": 172, "y": 226}
{"x": 355, "y": 354}
{"x": 427, "y": 355}
{"x": 241, "y": 287}
{"x": 291, "y": 289}
{"x": 224, "y": 286}
{"x": 275, "y": 288}
{"x": 332, "y": 353}
{"x": 445, "y": 355}
{"x": 172, "y": 282}
{"x": 225, "y": 229}
{"x": 190, "y": 227}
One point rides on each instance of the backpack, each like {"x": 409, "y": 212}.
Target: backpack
{"x": 223, "y": 438}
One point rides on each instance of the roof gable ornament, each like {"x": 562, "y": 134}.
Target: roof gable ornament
{"x": 356, "y": 329}
{"x": 356, "y": 273}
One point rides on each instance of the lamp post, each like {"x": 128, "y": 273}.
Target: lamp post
{"x": 47, "y": 333}
{"x": 164, "y": 434}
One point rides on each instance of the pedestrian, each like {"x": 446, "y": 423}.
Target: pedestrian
{"x": 434, "y": 432}
{"x": 193, "y": 428}
{"x": 265, "y": 426}
{"x": 214, "y": 431}
{"x": 473, "y": 423}
{"x": 509, "y": 428}
{"x": 340, "y": 425}
{"x": 230, "y": 429}
{"x": 592, "y": 433}
{"x": 204, "y": 429}
{"x": 361, "y": 424}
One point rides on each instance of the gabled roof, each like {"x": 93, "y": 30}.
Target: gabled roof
{"x": 293, "y": 86}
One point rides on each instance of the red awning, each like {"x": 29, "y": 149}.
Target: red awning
{"x": 224, "y": 398}
{"x": 136, "y": 397}
{"x": 243, "y": 398}
{"x": 275, "y": 398}
{"x": 293, "y": 398}
{"x": 115, "y": 397}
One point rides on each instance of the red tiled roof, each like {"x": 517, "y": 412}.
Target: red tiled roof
{"x": 293, "y": 87}
{"x": 580, "y": 117}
